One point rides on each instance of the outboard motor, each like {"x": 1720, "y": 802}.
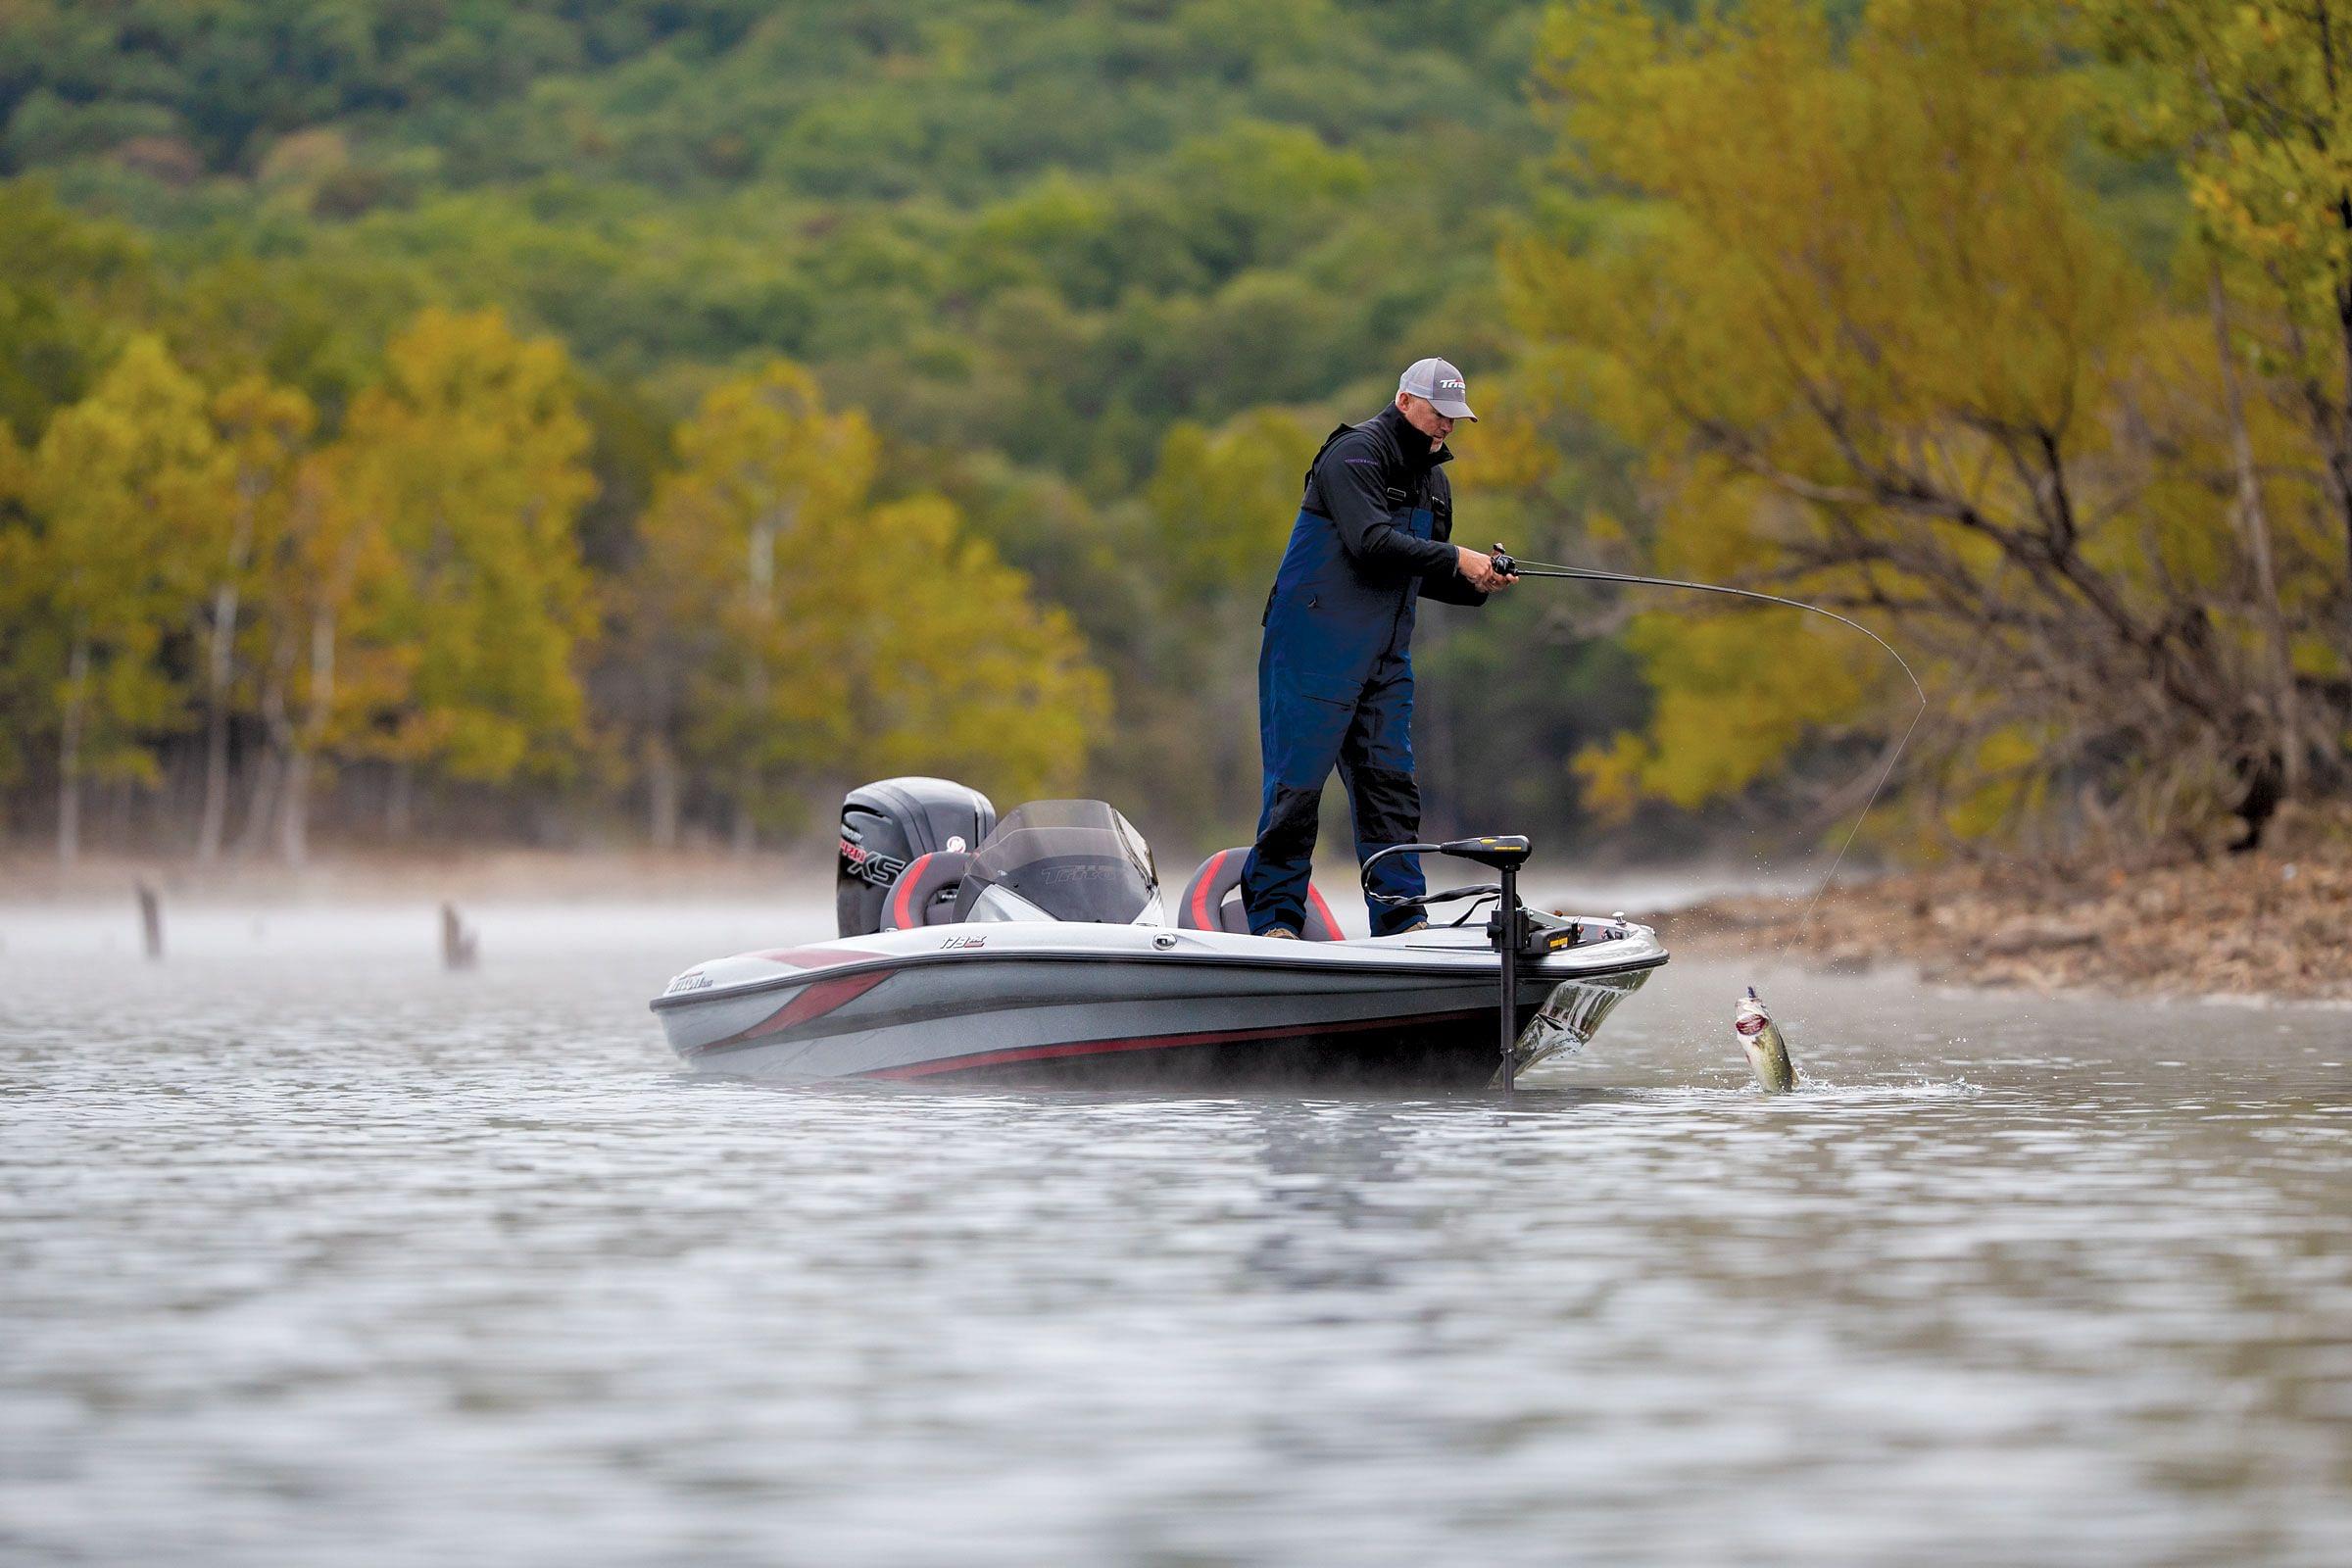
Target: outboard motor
{"x": 887, "y": 824}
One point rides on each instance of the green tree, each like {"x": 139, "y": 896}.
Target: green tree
{"x": 1221, "y": 504}
{"x": 127, "y": 488}
{"x": 68, "y": 287}
{"x": 1217, "y": 514}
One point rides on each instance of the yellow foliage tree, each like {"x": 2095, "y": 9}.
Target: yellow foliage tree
{"x": 21, "y": 680}
{"x": 127, "y": 489}
{"x": 332, "y": 680}
{"x": 262, "y": 428}
{"x": 469, "y": 461}
{"x": 1727, "y": 713}
{"x": 803, "y": 633}
{"x": 2254, "y": 97}
{"x": 963, "y": 672}
{"x": 1878, "y": 354}
{"x": 743, "y": 547}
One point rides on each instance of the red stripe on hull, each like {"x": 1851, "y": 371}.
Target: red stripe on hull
{"x": 1212, "y": 1037}
{"x": 813, "y": 1001}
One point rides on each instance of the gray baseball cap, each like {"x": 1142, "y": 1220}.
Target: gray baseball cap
{"x": 1439, "y": 383}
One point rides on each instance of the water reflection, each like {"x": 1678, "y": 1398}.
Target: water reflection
{"x": 310, "y": 1253}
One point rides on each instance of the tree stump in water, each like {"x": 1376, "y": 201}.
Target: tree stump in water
{"x": 151, "y": 922}
{"x": 457, "y": 944}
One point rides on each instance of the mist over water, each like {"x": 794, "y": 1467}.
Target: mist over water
{"x": 312, "y": 1253}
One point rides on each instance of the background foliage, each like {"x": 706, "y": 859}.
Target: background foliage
{"x": 583, "y": 420}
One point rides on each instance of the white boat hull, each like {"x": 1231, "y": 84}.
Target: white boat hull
{"x": 1066, "y": 1003}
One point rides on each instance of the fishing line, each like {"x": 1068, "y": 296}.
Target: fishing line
{"x": 1540, "y": 568}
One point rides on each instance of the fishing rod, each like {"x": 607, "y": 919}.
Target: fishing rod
{"x": 1509, "y": 566}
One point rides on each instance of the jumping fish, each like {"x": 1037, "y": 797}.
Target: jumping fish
{"x": 1760, "y": 1038}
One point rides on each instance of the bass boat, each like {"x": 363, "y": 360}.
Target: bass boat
{"x": 1038, "y": 948}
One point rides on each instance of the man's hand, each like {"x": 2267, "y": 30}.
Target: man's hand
{"x": 1479, "y": 570}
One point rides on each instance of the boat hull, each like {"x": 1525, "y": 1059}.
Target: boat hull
{"x": 1057, "y": 1004}
{"x": 1440, "y": 1051}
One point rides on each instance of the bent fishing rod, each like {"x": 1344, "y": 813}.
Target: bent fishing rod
{"x": 1509, "y": 566}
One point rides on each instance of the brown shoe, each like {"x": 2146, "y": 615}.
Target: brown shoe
{"x": 1281, "y": 931}
{"x": 1417, "y": 925}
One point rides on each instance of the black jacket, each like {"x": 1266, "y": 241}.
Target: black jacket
{"x": 1368, "y": 479}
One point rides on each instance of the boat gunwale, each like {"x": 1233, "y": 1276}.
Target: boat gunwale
{"x": 1539, "y": 969}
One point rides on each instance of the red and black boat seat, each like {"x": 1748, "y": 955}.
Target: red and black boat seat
{"x": 1212, "y": 901}
{"x": 925, "y": 892}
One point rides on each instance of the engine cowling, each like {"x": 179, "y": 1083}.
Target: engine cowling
{"x": 885, "y": 825}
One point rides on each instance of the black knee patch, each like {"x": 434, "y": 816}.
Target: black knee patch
{"x": 1388, "y": 806}
{"x": 1289, "y": 833}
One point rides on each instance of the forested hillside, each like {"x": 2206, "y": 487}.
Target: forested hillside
{"x": 576, "y": 420}
{"x": 1043, "y": 250}
{"x": 1044, "y": 229}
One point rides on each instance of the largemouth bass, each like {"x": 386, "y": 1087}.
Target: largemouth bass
{"x": 1760, "y": 1038}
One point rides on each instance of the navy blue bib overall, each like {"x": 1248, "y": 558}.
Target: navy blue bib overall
{"x": 1334, "y": 687}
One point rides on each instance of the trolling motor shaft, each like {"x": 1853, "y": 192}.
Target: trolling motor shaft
{"x": 1513, "y": 929}
{"x": 1503, "y": 929}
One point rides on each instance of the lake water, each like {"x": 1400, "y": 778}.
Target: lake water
{"x": 312, "y": 1254}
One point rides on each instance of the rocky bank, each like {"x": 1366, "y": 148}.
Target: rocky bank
{"x": 2266, "y": 925}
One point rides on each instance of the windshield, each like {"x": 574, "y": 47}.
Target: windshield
{"x": 1062, "y": 860}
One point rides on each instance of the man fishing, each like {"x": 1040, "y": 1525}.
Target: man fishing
{"x": 1335, "y": 672}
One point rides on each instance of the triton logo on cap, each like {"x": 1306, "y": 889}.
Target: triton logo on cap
{"x": 1440, "y": 385}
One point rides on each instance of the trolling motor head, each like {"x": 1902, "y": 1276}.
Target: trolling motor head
{"x": 1509, "y": 848}
{"x": 1531, "y": 933}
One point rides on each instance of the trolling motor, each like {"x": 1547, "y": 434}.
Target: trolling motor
{"x": 1513, "y": 929}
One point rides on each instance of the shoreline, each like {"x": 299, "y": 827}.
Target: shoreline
{"x": 2255, "y": 929}
{"x": 2271, "y": 926}
{"x": 457, "y": 874}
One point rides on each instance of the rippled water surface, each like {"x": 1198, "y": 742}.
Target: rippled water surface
{"x": 312, "y": 1254}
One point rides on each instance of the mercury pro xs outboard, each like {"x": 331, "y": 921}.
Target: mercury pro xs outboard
{"x": 1039, "y": 950}
{"x": 887, "y": 827}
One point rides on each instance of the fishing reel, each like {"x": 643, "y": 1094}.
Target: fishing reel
{"x": 1503, "y": 562}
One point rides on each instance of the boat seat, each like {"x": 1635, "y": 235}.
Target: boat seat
{"x": 1212, "y": 901}
{"x": 925, "y": 892}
